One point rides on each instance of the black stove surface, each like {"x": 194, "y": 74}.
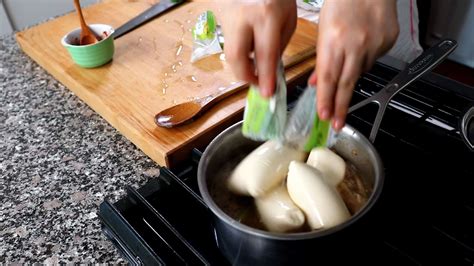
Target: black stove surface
{"x": 424, "y": 216}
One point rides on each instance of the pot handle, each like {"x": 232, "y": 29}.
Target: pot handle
{"x": 421, "y": 65}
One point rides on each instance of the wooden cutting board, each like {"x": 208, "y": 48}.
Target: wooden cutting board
{"x": 151, "y": 71}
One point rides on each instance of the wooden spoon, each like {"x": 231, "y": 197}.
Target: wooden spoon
{"x": 185, "y": 112}
{"x": 87, "y": 37}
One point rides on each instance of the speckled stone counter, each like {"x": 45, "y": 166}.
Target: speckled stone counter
{"x": 58, "y": 161}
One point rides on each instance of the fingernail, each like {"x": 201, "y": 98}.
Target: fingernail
{"x": 324, "y": 115}
{"x": 338, "y": 124}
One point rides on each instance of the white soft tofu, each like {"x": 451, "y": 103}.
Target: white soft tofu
{"x": 331, "y": 165}
{"x": 322, "y": 205}
{"x": 278, "y": 212}
{"x": 263, "y": 169}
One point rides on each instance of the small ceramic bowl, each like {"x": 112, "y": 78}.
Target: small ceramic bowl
{"x": 92, "y": 55}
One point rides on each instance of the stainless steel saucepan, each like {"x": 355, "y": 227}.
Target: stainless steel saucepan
{"x": 244, "y": 245}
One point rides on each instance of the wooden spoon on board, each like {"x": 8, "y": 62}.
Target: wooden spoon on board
{"x": 187, "y": 111}
{"x": 87, "y": 37}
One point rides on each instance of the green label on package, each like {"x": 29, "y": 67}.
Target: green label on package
{"x": 305, "y": 130}
{"x": 319, "y": 135}
{"x": 205, "y": 27}
{"x": 256, "y": 110}
{"x": 265, "y": 118}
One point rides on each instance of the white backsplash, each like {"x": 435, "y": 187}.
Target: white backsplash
{"x": 19, "y": 14}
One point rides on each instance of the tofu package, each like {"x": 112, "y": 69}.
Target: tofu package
{"x": 304, "y": 129}
{"x": 313, "y": 5}
{"x": 265, "y": 118}
{"x": 268, "y": 119}
{"x": 205, "y": 37}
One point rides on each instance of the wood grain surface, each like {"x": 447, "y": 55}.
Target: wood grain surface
{"x": 151, "y": 71}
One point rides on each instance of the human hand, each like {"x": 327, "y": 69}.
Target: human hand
{"x": 352, "y": 35}
{"x": 261, "y": 27}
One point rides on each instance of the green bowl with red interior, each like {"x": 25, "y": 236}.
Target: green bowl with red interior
{"x": 92, "y": 55}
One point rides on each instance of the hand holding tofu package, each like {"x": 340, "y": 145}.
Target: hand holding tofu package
{"x": 266, "y": 118}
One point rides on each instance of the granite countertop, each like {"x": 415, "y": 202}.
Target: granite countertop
{"x": 58, "y": 161}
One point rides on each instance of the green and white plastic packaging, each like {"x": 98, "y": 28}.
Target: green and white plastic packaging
{"x": 205, "y": 37}
{"x": 265, "y": 118}
{"x": 304, "y": 129}
{"x": 313, "y": 5}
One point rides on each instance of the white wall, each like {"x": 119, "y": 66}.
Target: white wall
{"x": 5, "y": 26}
{"x": 19, "y": 14}
{"x": 454, "y": 19}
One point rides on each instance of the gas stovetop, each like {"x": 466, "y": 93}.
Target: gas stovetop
{"x": 425, "y": 214}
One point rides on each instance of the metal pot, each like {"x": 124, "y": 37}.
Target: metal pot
{"x": 244, "y": 245}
